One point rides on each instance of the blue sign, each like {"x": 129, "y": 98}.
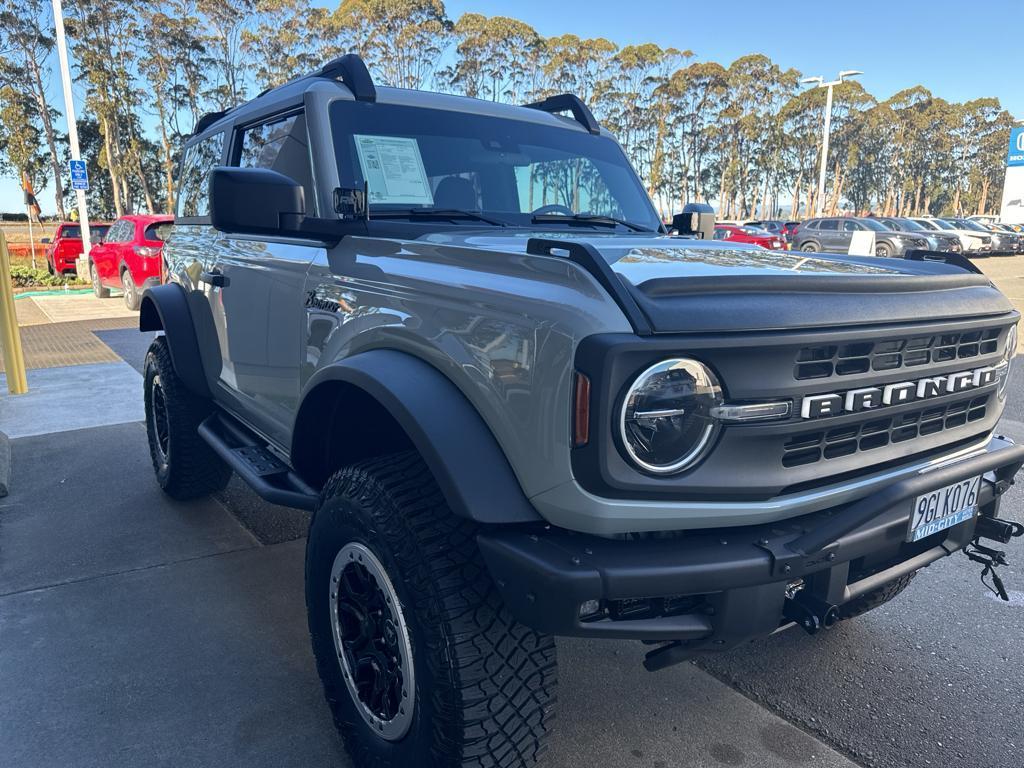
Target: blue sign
{"x": 1016, "y": 154}
{"x": 79, "y": 175}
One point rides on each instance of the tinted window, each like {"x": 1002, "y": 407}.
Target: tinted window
{"x": 829, "y": 224}
{"x": 280, "y": 145}
{"x": 874, "y": 224}
{"x": 193, "y": 189}
{"x": 159, "y": 231}
{"x": 852, "y": 226}
{"x": 123, "y": 231}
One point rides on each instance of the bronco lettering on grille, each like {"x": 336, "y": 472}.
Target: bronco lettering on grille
{"x": 867, "y": 398}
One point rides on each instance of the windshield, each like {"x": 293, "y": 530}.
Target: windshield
{"x": 939, "y": 224}
{"x": 416, "y": 160}
{"x": 875, "y": 225}
{"x": 908, "y": 225}
{"x": 972, "y": 225}
{"x": 75, "y": 232}
{"x": 756, "y": 231}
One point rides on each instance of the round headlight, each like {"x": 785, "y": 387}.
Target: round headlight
{"x": 667, "y": 420}
{"x": 1008, "y": 354}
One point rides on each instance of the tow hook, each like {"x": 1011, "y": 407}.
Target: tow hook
{"x": 997, "y": 530}
{"x": 810, "y": 612}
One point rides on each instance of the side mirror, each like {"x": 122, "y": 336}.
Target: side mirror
{"x": 256, "y": 201}
{"x": 696, "y": 220}
{"x": 45, "y": 241}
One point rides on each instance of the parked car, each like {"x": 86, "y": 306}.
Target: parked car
{"x": 1017, "y": 230}
{"x": 130, "y": 257}
{"x": 834, "y": 235}
{"x": 785, "y": 229}
{"x": 1011, "y": 238}
{"x": 752, "y": 235}
{"x": 973, "y": 243}
{"x": 937, "y": 241}
{"x": 66, "y": 245}
{"x": 515, "y": 416}
{"x": 1000, "y": 244}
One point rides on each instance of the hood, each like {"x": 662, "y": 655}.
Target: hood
{"x": 685, "y": 285}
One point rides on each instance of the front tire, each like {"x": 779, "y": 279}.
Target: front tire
{"x": 422, "y": 665}
{"x": 186, "y": 466}
{"x": 98, "y": 289}
{"x": 883, "y": 251}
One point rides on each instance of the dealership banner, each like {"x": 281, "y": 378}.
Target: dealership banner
{"x": 1012, "y": 210}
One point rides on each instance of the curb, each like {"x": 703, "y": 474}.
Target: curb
{"x": 5, "y": 464}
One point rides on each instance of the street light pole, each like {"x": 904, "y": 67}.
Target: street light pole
{"x": 819, "y": 200}
{"x": 69, "y": 113}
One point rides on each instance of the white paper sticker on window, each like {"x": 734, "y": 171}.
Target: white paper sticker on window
{"x": 393, "y": 168}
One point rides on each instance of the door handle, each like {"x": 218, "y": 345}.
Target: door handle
{"x": 213, "y": 277}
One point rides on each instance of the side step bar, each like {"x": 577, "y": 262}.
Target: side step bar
{"x": 261, "y": 470}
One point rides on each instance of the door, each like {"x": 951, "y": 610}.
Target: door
{"x": 828, "y": 234}
{"x": 261, "y": 311}
{"x": 107, "y": 254}
{"x": 849, "y": 227}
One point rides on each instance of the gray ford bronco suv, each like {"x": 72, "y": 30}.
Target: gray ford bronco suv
{"x": 518, "y": 406}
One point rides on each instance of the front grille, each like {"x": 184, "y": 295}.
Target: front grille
{"x": 835, "y": 443}
{"x": 826, "y": 360}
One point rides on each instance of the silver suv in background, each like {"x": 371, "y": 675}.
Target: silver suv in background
{"x": 945, "y": 242}
{"x": 1001, "y": 244}
{"x": 973, "y": 242}
{"x": 835, "y": 233}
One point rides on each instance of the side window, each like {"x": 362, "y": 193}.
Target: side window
{"x": 116, "y": 233}
{"x": 830, "y": 225}
{"x": 852, "y": 226}
{"x": 280, "y": 145}
{"x": 812, "y": 224}
{"x": 193, "y": 192}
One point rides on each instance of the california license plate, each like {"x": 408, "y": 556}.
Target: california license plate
{"x": 943, "y": 508}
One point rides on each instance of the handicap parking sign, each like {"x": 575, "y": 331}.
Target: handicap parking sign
{"x": 79, "y": 175}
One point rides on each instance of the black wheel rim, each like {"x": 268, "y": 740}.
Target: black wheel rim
{"x": 161, "y": 428}
{"x": 371, "y": 640}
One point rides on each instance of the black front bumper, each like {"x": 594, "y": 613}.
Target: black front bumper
{"x": 713, "y": 589}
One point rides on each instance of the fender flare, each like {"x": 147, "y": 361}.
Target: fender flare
{"x": 456, "y": 444}
{"x": 165, "y": 308}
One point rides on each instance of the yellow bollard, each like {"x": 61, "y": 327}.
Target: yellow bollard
{"x": 10, "y": 336}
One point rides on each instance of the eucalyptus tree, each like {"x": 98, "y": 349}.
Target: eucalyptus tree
{"x": 286, "y": 38}
{"x": 27, "y": 44}
{"x": 402, "y": 41}
{"x": 496, "y": 58}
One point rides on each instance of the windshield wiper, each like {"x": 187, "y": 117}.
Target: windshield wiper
{"x": 438, "y": 213}
{"x": 589, "y": 218}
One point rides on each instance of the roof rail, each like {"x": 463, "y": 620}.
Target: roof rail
{"x": 207, "y": 120}
{"x": 572, "y": 103}
{"x": 353, "y": 73}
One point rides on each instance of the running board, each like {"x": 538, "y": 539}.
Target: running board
{"x": 265, "y": 473}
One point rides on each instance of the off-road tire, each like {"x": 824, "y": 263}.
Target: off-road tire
{"x": 189, "y": 468}
{"x": 868, "y": 602}
{"x": 484, "y": 686}
{"x": 132, "y": 298}
{"x": 98, "y": 289}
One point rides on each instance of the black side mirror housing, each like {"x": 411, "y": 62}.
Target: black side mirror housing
{"x": 256, "y": 201}
{"x": 696, "y": 220}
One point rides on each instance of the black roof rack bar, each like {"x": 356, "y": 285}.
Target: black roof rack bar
{"x": 353, "y": 73}
{"x": 572, "y": 103}
{"x": 207, "y": 120}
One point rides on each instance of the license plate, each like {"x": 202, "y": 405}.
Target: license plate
{"x": 943, "y": 508}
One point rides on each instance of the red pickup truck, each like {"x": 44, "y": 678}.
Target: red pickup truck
{"x": 130, "y": 257}
{"x": 66, "y": 245}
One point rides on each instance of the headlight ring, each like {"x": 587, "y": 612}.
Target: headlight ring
{"x": 666, "y": 419}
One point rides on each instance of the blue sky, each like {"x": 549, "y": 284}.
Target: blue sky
{"x": 958, "y": 51}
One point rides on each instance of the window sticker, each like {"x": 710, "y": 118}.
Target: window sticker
{"x": 393, "y": 168}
